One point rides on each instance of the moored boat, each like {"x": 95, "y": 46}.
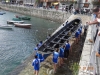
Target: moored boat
{"x": 1, "y": 13}
{"x": 23, "y": 17}
{"x": 22, "y": 25}
{"x": 60, "y": 37}
{"x": 6, "y": 27}
{"x": 12, "y": 22}
{"x": 16, "y": 19}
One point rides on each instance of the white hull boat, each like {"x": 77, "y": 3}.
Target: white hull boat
{"x": 12, "y": 22}
{"x": 6, "y": 27}
{"x": 22, "y": 25}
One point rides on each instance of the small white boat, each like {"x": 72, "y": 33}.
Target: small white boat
{"x": 12, "y": 22}
{"x": 1, "y": 13}
{"x": 6, "y": 27}
{"x": 22, "y": 25}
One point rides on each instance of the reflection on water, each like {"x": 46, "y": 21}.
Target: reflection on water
{"x": 18, "y": 43}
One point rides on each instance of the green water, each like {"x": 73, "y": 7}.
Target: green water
{"x": 17, "y": 44}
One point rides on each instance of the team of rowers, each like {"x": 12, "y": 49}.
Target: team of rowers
{"x": 59, "y": 53}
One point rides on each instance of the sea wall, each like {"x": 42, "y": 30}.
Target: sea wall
{"x": 50, "y": 14}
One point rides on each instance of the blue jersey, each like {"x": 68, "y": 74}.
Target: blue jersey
{"x": 36, "y": 64}
{"x": 61, "y": 53}
{"x": 40, "y": 44}
{"x": 67, "y": 46}
{"x": 77, "y": 34}
{"x": 80, "y": 30}
{"x": 39, "y": 55}
{"x": 55, "y": 57}
{"x": 36, "y": 48}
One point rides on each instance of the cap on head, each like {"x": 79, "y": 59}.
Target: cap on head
{"x": 67, "y": 41}
{"x": 35, "y": 56}
{"x": 57, "y": 49}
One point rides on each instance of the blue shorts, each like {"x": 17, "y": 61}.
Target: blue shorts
{"x": 55, "y": 61}
{"x": 36, "y": 68}
{"x": 77, "y": 36}
{"x": 61, "y": 56}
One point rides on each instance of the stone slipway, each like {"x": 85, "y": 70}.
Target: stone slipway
{"x": 26, "y": 68}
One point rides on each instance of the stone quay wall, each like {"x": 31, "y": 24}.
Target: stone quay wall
{"x": 51, "y": 14}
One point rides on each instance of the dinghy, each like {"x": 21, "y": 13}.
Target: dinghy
{"x": 22, "y": 25}
{"x": 12, "y": 22}
{"x": 6, "y": 27}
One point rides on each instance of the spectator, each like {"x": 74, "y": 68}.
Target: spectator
{"x": 85, "y": 28}
{"x": 55, "y": 59}
{"x": 66, "y": 9}
{"x": 74, "y": 11}
{"x": 96, "y": 12}
{"x": 82, "y": 12}
{"x": 36, "y": 64}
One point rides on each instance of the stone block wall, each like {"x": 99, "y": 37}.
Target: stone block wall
{"x": 54, "y": 15}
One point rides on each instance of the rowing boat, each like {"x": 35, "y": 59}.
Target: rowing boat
{"x": 60, "y": 37}
{"x": 22, "y": 25}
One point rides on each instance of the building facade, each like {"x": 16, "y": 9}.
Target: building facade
{"x": 29, "y": 1}
{"x": 85, "y": 4}
{"x": 55, "y": 2}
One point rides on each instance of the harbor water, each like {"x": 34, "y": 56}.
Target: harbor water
{"x": 17, "y": 44}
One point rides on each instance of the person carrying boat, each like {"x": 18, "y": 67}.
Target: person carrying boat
{"x": 77, "y": 36}
{"x": 61, "y": 55}
{"x": 48, "y": 36}
{"x": 36, "y": 64}
{"x": 36, "y": 49}
{"x": 80, "y": 31}
{"x": 40, "y": 44}
{"x": 67, "y": 48}
{"x": 55, "y": 59}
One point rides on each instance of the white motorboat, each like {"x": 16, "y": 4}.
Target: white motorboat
{"x": 12, "y": 22}
{"x": 6, "y": 27}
